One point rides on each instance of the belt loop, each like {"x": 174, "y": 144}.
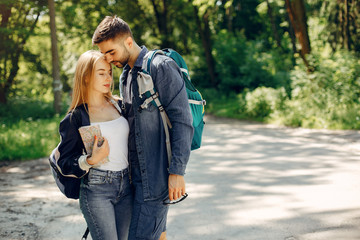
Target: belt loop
{"x": 108, "y": 176}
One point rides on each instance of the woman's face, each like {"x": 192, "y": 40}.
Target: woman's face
{"x": 102, "y": 77}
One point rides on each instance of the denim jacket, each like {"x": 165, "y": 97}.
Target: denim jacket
{"x": 149, "y": 129}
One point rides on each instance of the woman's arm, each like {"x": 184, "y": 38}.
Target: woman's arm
{"x": 71, "y": 147}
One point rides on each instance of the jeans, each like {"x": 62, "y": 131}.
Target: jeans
{"x": 149, "y": 217}
{"x": 106, "y": 201}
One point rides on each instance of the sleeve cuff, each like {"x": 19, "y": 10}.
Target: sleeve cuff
{"x": 177, "y": 169}
{"x": 83, "y": 164}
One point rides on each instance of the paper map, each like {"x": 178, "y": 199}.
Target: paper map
{"x": 88, "y": 134}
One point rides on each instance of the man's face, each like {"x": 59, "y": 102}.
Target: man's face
{"x": 115, "y": 52}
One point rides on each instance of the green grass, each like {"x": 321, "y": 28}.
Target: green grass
{"x": 27, "y": 139}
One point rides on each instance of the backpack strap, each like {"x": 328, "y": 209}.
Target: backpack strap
{"x": 147, "y": 88}
{"x": 202, "y": 102}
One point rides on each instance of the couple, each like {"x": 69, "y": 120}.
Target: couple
{"x": 128, "y": 196}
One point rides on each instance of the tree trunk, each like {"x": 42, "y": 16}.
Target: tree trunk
{"x": 297, "y": 16}
{"x": 11, "y": 55}
{"x": 347, "y": 37}
{"x": 292, "y": 37}
{"x": 273, "y": 25}
{"x": 204, "y": 33}
{"x": 229, "y": 13}
{"x": 161, "y": 18}
{"x": 5, "y": 12}
{"x": 57, "y": 85}
{"x": 3, "y": 99}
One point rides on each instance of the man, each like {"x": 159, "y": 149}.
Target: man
{"x": 152, "y": 177}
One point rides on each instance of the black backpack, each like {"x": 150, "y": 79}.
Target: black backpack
{"x": 69, "y": 185}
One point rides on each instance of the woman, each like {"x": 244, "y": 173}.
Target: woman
{"x": 105, "y": 192}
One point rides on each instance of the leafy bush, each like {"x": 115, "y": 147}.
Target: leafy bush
{"x": 328, "y": 97}
{"x": 27, "y": 109}
{"x": 28, "y": 129}
{"x": 28, "y": 139}
{"x": 262, "y": 102}
{"x": 232, "y": 106}
{"x": 243, "y": 64}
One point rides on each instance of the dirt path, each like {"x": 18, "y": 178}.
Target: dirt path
{"x": 31, "y": 206}
{"x": 249, "y": 181}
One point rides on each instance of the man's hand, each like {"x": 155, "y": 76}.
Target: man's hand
{"x": 176, "y": 186}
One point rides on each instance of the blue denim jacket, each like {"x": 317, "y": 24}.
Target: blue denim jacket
{"x": 149, "y": 129}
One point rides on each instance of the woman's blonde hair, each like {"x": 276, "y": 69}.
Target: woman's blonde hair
{"x": 82, "y": 79}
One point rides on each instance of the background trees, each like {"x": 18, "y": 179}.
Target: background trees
{"x": 295, "y": 62}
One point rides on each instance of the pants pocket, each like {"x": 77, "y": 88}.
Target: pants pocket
{"x": 94, "y": 179}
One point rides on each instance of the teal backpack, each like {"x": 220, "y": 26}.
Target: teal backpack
{"x": 196, "y": 102}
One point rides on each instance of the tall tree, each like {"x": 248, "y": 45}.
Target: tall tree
{"x": 57, "y": 85}
{"x": 273, "y": 24}
{"x": 343, "y": 23}
{"x": 161, "y": 14}
{"x": 18, "y": 21}
{"x": 203, "y": 28}
{"x": 298, "y": 19}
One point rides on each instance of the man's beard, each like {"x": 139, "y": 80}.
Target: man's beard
{"x": 122, "y": 63}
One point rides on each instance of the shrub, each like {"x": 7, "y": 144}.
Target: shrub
{"x": 238, "y": 63}
{"x": 328, "y": 97}
{"x": 263, "y": 102}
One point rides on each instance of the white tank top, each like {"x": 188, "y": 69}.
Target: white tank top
{"x": 116, "y": 132}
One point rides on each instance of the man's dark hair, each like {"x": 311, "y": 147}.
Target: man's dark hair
{"x": 110, "y": 28}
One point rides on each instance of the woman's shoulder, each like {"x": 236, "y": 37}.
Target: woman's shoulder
{"x": 74, "y": 115}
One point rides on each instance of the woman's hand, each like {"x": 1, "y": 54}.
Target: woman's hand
{"x": 99, "y": 153}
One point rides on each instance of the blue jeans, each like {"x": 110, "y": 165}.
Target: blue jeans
{"x": 106, "y": 201}
{"x": 149, "y": 217}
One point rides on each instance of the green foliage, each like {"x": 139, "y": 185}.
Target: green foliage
{"x": 256, "y": 73}
{"x": 240, "y": 63}
{"x": 28, "y": 129}
{"x": 18, "y": 21}
{"x": 329, "y": 97}
{"x": 28, "y": 139}
{"x": 25, "y": 109}
{"x": 263, "y": 102}
{"x": 233, "y": 106}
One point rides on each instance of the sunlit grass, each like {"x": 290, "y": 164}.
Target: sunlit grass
{"x": 27, "y": 139}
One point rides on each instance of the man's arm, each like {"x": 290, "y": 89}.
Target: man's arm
{"x": 172, "y": 94}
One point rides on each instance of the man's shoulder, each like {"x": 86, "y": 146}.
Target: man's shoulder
{"x": 163, "y": 62}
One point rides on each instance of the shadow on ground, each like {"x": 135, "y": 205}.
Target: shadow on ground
{"x": 253, "y": 181}
{"x": 248, "y": 181}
